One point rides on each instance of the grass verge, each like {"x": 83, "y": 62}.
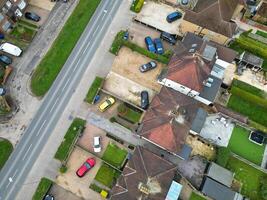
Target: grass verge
{"x": 74, "y": 130}
{"x": 119, "y": 42}
{"x": 240, "y": 144}
{"x": 92, "y": 92}
{"x": 6, "y": 149}
{"x": 248, "y": 176}
{"x": 107, "y": 175}
{"x": 42, "y": 189}
{"x": 114, "y": 155}
{"x": 47, "y": 71}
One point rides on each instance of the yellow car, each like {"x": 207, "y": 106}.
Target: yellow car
{"x": 106, "y": 104}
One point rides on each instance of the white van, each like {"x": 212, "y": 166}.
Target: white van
{"x": 11, "y": 49}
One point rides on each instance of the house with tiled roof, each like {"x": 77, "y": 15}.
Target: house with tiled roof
{"x": 211, "y": 19}
{"x": 168, "y": 120}
{"x": 198, "y": 71}
{"x": 146, "y": 176}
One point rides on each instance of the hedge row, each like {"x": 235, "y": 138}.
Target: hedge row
{"x": 92, "y": 92}
{"x": 137, "y": 5}
{"x": 119, "y": 42}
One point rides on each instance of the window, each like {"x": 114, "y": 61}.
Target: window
{"x": 1, "y": 17}
{"x": 22, "y": 5}
{"x": 6, "y": 26}
{"x": 18, "y": 13}
{"x": 182, "y": 87}
{"x": 8, "y": 4}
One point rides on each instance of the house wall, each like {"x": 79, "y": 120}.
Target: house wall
{"x": 187, "y": 26}
{"x": 184, "y": 90}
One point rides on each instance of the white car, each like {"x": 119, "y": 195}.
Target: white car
{"x": 10, "y": 49}
{"x": 97, "y": 146}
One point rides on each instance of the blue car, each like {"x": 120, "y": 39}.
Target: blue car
{"x": 174, "y": 16}
{"x": 159, "y": 46}
{"x": 150, "y": 45}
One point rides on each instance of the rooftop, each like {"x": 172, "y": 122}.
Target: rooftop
{"x": 214, "y": 15}
{"x": 146, "y": 176}
{"x": 167, "y": 121}
{"x": 251, "y": 59}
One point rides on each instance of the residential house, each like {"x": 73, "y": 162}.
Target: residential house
{"x": 198, "y": 70}
{"x": 211, "y": 19}
{"x": 261, "y": 13}
{"x": 147, "y": 176}
{"x": 10, "y": 12}
{"x": 167, "y": 121}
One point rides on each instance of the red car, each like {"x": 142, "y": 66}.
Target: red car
{"x": 89, "y": 163}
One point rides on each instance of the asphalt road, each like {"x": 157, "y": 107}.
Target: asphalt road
{"x": 18, "y": 166}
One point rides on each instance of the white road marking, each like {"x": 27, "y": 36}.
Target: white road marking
{"x": 55, "y": 103}
{"x": 27, "y": 152}
{"x": 40, "y": 129}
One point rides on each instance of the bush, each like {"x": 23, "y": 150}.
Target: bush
{"x": 261, "y": 33}
{"x": 137, "y": 5}
{"x": 112, "y": 119}
{"x": 95, "y": 188}
{"x": 263, "y": 187}
{"x": 63, "y": 169}
{"x": 222, "y": 156}
{"x": 117, "y": 43}
{"x": 92, "y": 92}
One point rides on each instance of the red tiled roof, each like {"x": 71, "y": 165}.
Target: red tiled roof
{"x": 147, "y": 167}
{"x": 161, "y": 127}
{"x": 188, "y": 70}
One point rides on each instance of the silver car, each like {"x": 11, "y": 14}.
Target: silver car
{"x": 148, "y": 66}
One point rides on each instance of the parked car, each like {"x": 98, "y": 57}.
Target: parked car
{"x": 126, "y": 35}
{"x": 159, "y": 46}
{"x": 184, "y": 2}
{"x": 174, "y": 16}
{"x": 106, "y": 104}
{"x": 10, "y": 49}
{"x": 87, "y": 165}
{"x": 168, "y": 37}
{"x": 49, "y": 197}
{"x": 148, "y": 66}
{"x": 144, "y": 100}
{"x": 97, "y": 146}
{"x": 150, "y": 45}
{"x": 5, "y": 59}
{"x": 32, "y": 16}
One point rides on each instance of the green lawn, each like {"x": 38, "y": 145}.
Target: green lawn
{"x": 248, "y": 176}
{"x": 92, "y": 92}
{"x": 242, "y": 146}
{"x": 28, "y": 23}
{"x": 42, "y": 189}
{"x": 253, "y": 111}
{"x": 261, "y": 33}
{"x": 129, "y": 114}
{"x": 6, "y": 149}
{"x": 74, "y": 130}
{"x": 22, "y": 32}
{"x": 47, "y": 71}
{"x": 114, "y": 155}
{"x": 107, "y": 175}
{"x": 195, "y": 196}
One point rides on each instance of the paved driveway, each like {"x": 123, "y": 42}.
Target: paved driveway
{"x": 86, "y": 141}
{"x": 71, "y": 182}
{"x": 39, "y": 11}
{"x": 44, "y": 4}
{"x": 61, "y": 194}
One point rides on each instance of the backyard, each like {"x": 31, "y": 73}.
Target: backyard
{"x": 74, "y": 130}
{"x": 128, "y": 114}
{"x": 195, "y": 196}
{"x": 241, "y": 145}
{"x": 248, "y": 176}
{"x": 114, "y": 155}
{"x": 248, "y": 101}
{"x": 107, "y": 175}
{"x": 23, "y": 32}
{"x": 47, "y": 71}
{"x": 6, "y": 149}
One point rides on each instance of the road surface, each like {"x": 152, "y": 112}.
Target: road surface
{"x": 18, "y": 166}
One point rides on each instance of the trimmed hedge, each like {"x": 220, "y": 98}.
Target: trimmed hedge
{"x": 119, "y": 42}
{"x": 137, "y": 5}
{"x": 261, "y": 33}
{"x": 92, "y": 92}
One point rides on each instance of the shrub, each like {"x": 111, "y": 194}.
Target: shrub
{"x": 112, "y": 119}
{"x": 137, "y": 5}
{"x": 63, "y": 169}
{"x": 263, "y": 187}
{"x": 95, "y": 188}
{"x": 222, "y": 156}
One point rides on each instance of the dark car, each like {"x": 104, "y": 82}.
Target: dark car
{"x": 148, "y": 66}
{"x": 150, "y": 45}
{"x": 144, "y": 100}
{"x": 168, "y": 37}
{"x": 32, "y": 16}
{"x": 5, "y": 59}
{"x": 159, "y": 46}
{"x": 48, "y": 197}
{"x": 174, "y": 16}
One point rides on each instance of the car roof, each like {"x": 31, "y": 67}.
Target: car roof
{"x": 96, "y": 139}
